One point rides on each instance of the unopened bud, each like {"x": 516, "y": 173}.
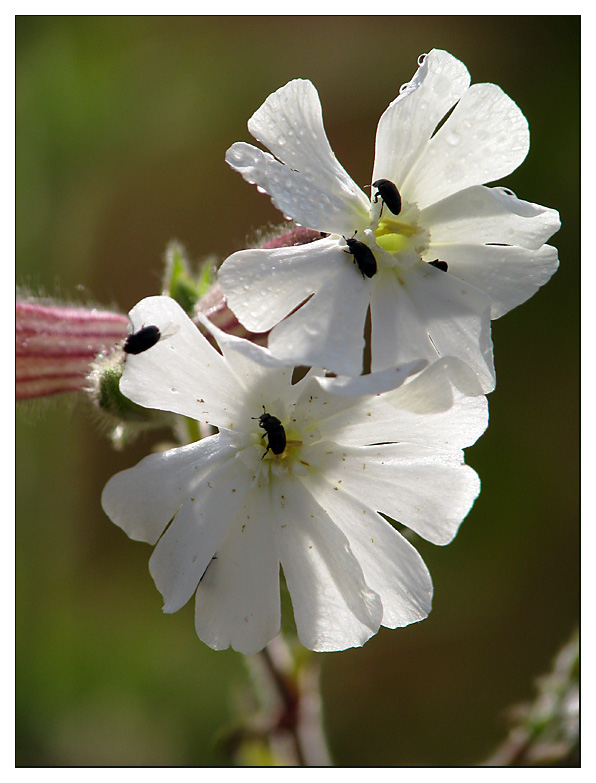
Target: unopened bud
{"x": 56, "y": 344}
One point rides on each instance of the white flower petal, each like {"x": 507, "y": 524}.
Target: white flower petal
{"x": 182, "y": 372}
{"x": 443, "y": 388}
{"x": 185, "y": 550}
{"x": 238, "y": 602}
{"x": 398, "y": 335}
{"x": 290, "y": 124}
{"x": 328, "y": 331}
{"x": 485, "y": 138}
{"x": 428, "y": 491}
{"x": 432, "y": 391}
{"x": 142, "y": 500}
{"x": 426, "y": 410}
{"x": 263, "y": 286}
{"x": 481, "y": 215}
{"x": 407, "y": 125}
{"x": 507, "y": 275}
{"x": 373, "y": 383}
{"x": 391, "y": 565}
{"x": 320, "y": 206}
{"x": 333, "y": 607}
{"x": 263, "y": 377}
{"x": 439, "y": 315}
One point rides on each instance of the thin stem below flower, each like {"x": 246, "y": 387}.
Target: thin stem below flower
{"x": 296, "y": 686}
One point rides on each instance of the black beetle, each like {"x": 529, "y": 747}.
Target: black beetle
{"x": 442, "y": 265}
{"x": 389, "y": 194}
{"x": 142, "y": 340}
{"x": 276, "y": 435}
{"x": 363, "y": 256}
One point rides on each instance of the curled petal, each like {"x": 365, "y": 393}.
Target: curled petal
{"x": 479, "y": 215}
{"x": 428, "y": 410}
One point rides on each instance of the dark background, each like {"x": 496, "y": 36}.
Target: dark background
{"x": 122, "y": 124}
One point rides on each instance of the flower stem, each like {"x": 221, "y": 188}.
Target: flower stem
{"x": 295, "y": 720}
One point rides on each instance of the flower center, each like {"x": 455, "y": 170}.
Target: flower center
{"x": 399, "y": 237}
{"x": 277, "y": 449}
{"x": 400, "y": 233}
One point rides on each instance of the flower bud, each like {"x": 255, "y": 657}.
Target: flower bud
{"x": 56, "y": 344}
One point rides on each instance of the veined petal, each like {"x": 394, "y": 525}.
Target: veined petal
{"x": 391, "y": 565}
{"x": 186, "y": 548}
{"x": 333, "y": 606}
{"x": 407, "y": 125}
{"x": 263, "y": 286}
{"x": 142, "y": 500}
{"x": 328, "y": 331}
{"x": 428, "y": 491}
{"x": 481, "y": 215}
{"x": 322, "y": 206}
{"x": 237, "y": 602}
{"x": 290, "y": 124}
{"x": 182, "y": 372}
{"x": 485, "y": 138}
{"x": 507, "y": 275}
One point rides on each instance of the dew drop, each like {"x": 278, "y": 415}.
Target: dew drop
{"x": 422, "y": 58}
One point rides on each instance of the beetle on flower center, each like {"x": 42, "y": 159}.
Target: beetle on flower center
{"x": 276, "y": 434}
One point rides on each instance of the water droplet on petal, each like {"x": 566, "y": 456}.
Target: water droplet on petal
{"x": 422, "y": 58}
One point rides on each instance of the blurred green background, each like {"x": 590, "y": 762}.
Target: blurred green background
{"x": 122, "y": 124}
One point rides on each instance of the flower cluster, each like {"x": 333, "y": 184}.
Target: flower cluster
{"x": 317, "y": 458}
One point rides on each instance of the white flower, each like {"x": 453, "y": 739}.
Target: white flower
{"x": 490, "y": 242}
{"x": 226, "y": 511}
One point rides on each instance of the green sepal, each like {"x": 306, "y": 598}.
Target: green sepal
{"x": 122, "y": 417}
{"x": 180, "y": 283}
